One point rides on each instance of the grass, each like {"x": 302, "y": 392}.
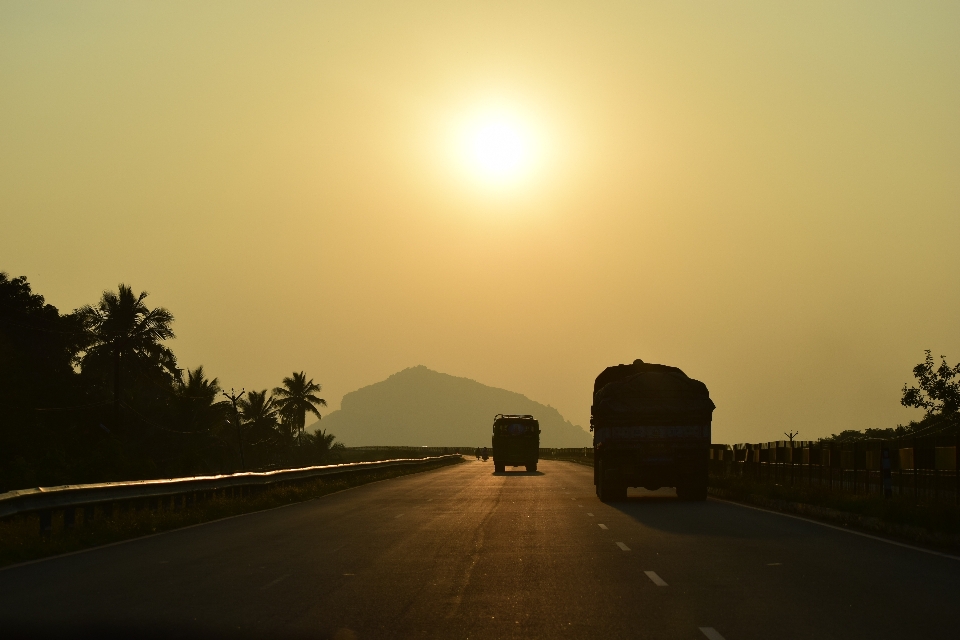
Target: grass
{"x": 931, "y": 524}
{"x": 20, "y": 539}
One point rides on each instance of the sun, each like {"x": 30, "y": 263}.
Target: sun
{"x": 497, "y": 147}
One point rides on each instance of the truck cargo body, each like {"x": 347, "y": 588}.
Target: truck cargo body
{"x": 651, "y": 426}
{"x": 516, "y": 442}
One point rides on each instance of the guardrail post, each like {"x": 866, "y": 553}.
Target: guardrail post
{"x": 885, "y": 472}
{"x": 46, "y": 522}
{"x": 830, "y": 467}
{"x": 88, "y": 514}
{"x": 916, "y": 484}
{"x": 69, "y": 517}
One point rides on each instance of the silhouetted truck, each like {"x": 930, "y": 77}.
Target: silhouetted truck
{"x": 651, "y": 428}
{"x": 516, "y": 442}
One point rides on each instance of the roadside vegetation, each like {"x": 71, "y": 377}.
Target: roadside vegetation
{"x": 937, "y": 392}
{"x": 21, "y": 540}
{"x": 936, "y": 524}
{"x": 97, "y": 395}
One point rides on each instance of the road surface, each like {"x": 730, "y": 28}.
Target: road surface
{"x": 462, "y": 552}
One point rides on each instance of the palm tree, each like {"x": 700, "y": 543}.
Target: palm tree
{"x": 198, "y": 396}
{"x": 121, "y": 324}
{"x": 259, "y": 414}
{"x": 295, "y": 398}
{"x": 323, "y": 444}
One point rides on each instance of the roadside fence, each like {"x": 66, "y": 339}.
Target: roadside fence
{"x": 923, "y": 468}
{"x": 575, "y": 454}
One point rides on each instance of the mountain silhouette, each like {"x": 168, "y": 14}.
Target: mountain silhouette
{"x": 421, "y": 407}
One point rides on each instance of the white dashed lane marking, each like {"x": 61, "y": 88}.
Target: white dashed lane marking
{"x": 655, "y": 579}
{"x": 590, "y": 514}
{"x": 273, "y": 582}
{"x": 623, "y": 546}
{"x": 398, "y": 515}
{"x": 711, "y": 633}
{"x": 602, "y": 526}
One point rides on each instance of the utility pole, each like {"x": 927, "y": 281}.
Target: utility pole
{"x": 792, "y": 435}
{"x": 233, "y": 397}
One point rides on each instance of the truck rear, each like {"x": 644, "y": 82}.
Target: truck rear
{"x": 516, "y": 442}
{"x": 651, "y": 428}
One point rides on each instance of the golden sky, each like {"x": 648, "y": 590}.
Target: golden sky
{"x": 764, "y": 194}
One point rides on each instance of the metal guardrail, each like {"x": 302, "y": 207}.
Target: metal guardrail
{"x": 45, "y": 499}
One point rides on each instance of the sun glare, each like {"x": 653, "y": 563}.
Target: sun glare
{"x": 498, "y": 148}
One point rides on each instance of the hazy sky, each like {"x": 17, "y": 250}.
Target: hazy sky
{"x": 766, "y": 195}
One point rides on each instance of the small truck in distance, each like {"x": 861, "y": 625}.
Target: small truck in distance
{"x": 651, "y": 429}
{"x": 516, "y": 442}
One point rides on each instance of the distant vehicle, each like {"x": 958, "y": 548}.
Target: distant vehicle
{"x": 516, "y": 442}
{"x": 651, "y": 429}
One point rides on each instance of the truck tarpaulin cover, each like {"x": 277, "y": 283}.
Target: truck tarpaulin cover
{"x": 650, "y": 395}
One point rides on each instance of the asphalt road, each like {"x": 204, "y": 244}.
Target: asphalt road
{"x": 463, "y": 553}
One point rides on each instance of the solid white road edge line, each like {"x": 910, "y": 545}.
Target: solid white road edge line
{"x": 832, "y": 526}
{"x": 655, "y": 579}
{"x": 711, "y": 633}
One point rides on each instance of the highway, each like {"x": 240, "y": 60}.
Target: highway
{"x": 462, "y": 552}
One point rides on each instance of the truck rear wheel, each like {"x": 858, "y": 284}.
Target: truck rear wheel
{"x": 609, "y": 487}
{"x": 531, "y": 467}
{"x": 693, "y": 491}
{"x": 499, "y": 468}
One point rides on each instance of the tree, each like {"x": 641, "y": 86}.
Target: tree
{"x": 295, "y": 398}
{"x": 258, "y": 415}
{"x": 122, "y": 325}
{"x": 323, "y": 443}
{"x": 200, "y": 410}
{"x": 938, "y": 393}
{"x": 37, "y": 348}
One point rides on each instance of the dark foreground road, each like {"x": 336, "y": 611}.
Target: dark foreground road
{"x": 463, "y": 553}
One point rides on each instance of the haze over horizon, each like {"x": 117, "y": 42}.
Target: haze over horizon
{"x": 520, "y": 194}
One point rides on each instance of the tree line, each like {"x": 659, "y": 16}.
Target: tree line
{"x": 97, "y": 395}
{"x": 937, "y": 392}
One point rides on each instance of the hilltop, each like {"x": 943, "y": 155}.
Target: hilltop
{"x": 419, "y": 406}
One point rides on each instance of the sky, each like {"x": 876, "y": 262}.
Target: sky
{"x": 764, "y": 194}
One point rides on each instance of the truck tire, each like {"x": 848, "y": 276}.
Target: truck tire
{"x": 499, "y": 468}
{"x": 692, "y": 491}
{"x": 612, "y": 492}
{"x": 531, "y": 467}
{"x": 609, "y": 487}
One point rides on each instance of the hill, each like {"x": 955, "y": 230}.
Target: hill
{"x": 418, "y": 406}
